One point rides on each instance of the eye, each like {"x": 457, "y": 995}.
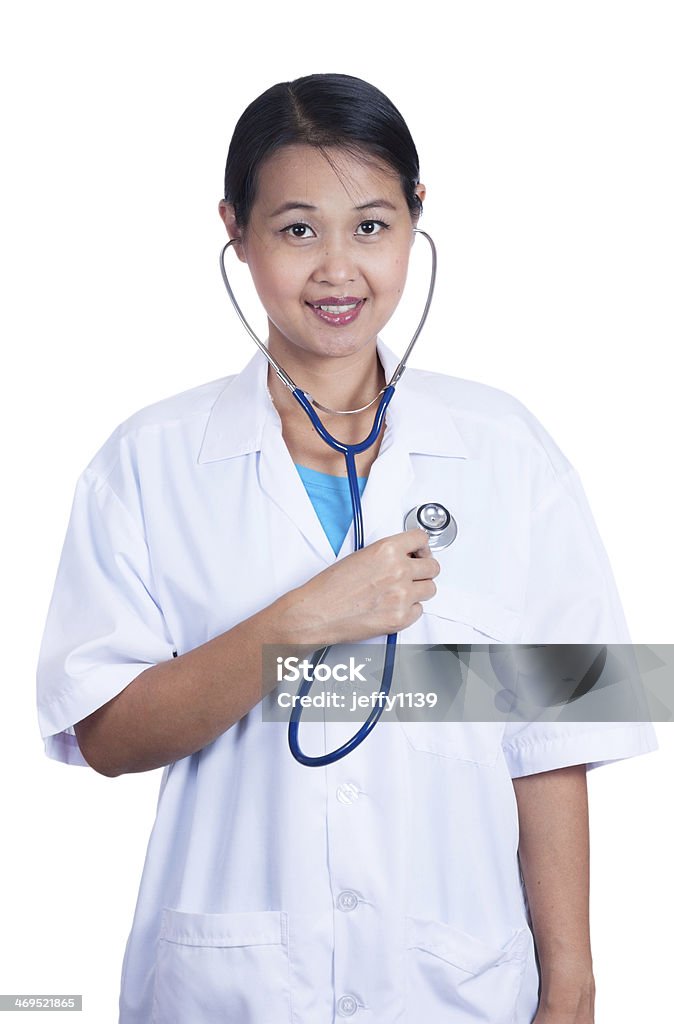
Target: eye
{"x": 370, "y": 227}
{"x": 298, "y": 231}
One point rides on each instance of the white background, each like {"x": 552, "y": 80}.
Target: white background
{"x": 545, "y": 139}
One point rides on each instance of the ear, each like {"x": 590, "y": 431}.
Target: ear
{"x": 420, "y": 193}
{"x": 226, "y": 211}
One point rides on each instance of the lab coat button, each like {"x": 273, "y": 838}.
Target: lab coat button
{"x": 347, "y": 900}
{"x": 346, "y": 1006}
{"x": 347, "y": 793}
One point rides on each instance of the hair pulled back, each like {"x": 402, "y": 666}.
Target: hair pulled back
{"x": 324, "y": 111}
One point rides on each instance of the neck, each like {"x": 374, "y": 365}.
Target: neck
{"x": 337, "y": 382}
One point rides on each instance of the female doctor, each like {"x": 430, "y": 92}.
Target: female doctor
{"x": 439, "y": 871}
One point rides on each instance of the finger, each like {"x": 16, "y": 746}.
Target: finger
{"x": 425, "y": 590}
{"x": 414, "y": 540}
{"x": 425, "y": 569}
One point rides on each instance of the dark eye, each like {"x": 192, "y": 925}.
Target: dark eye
{"x": 370, "y": 227}
{"x": 298, "y": 231}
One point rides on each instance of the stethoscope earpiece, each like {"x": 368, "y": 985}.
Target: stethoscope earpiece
{"x": 436, "y": 520}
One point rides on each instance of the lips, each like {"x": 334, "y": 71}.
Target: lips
{"x": 337, "y": 310}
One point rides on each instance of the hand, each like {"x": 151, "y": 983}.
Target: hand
{"x": 371, "y": 592}
{"x": 571, "y": 1003}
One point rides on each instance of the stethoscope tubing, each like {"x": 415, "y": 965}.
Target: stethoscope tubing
{"x": 366, "y": 728}
{"x": 349, "y": 452}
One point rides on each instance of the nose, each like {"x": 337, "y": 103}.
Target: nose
{"x": 336, "y": 264}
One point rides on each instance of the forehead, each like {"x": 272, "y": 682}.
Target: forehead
{"x": 324, "y": 178}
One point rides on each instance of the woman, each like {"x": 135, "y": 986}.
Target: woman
{"x": 385, "y": 886}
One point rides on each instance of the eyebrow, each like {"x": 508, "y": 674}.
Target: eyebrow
{"x": 378, "y": 204}
{"x": 292, "y": 205}
{"x": 372, "y": 204}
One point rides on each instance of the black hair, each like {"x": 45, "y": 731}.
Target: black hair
{"x": 323, "y": 111}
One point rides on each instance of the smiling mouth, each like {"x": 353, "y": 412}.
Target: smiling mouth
{"x": 337, "y": 303}
{"x": 337, "y": 310}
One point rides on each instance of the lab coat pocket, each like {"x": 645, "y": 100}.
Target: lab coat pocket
{"x": 458, "y": 616}
{"x": 229, "y": 967}
{"x": 477, "y": 743}
{"x": 455, "y": 976}
{"x": 459, "y": 724}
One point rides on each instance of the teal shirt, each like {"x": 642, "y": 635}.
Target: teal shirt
{"x": 331, "y": 499}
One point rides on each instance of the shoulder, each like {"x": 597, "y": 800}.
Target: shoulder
{"x": 177, "y": 409}
{"x": 490, "y": 419}
{"x": 178, "y": 417}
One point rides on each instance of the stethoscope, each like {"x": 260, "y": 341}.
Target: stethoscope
{"x": 432, "y": 517}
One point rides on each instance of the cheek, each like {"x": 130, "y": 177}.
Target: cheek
{"x": 392, "y": 281}
{"x": 274, "y": 279}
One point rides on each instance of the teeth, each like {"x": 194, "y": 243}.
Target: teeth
{"x": 338, "y": 309}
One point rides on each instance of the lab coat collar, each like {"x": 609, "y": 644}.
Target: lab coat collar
{"x": 418, "y": 419}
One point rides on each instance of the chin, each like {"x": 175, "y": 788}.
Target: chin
{"x": 338, "y": 343}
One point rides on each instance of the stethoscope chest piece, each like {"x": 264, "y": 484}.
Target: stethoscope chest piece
{"x": 436, "y": 520}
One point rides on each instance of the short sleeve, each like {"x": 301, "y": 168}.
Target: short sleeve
{"x": 104, "y": 625}
{"x": 571, "y": 594}
{"x": 571, "y": 599}
{"x": 531, "y": 747}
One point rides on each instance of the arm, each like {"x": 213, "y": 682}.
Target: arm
{"x": 176, "y": 707}
{"x": 554, "y": 856}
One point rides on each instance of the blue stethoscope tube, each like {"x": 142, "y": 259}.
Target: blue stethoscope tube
{"x": 349, "y": 452}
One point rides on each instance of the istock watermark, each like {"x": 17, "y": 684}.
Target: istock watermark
{"x": 292, "y": 670}
{"x": 473, "y": 683}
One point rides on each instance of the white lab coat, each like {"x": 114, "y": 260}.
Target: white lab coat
{"x": 384, "y": 887}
